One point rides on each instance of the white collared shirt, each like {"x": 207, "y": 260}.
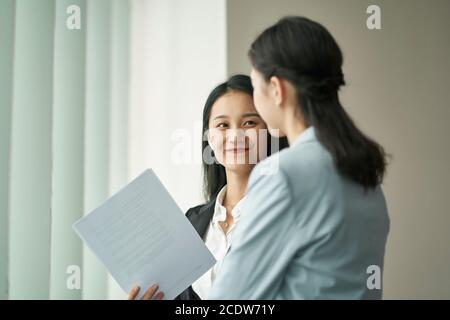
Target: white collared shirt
{"x": 217, "y": 242}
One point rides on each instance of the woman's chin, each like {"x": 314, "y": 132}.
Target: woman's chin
{"x": 239, "y": 167}
{"x": 276, "y": 133}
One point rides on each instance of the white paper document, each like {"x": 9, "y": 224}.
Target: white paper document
{"x": 142, "y": 237}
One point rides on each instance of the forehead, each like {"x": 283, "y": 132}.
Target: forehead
{"x": 233, "y": 104}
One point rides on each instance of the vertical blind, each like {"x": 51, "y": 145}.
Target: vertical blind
{"x": 6, "y": 53}
{"x": 63, "y": 105}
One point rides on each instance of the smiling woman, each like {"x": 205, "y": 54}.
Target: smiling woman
{"x": 231, "y": 125}
{"x": 236, "y": 138}
{"x": 235, "y": 130}
{"x": 233, "y": 136}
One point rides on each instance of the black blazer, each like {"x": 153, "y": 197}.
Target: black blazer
{"x": 200, "y": 217}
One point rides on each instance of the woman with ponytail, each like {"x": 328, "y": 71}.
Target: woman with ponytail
{"x": 316, "y": 227}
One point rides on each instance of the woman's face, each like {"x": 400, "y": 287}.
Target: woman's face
{"x": 236, "y": 132}
{"x": 265, "y": 102}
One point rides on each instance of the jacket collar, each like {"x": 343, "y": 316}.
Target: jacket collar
{"x": 307, "y": 135}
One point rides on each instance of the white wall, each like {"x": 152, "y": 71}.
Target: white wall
{"x": 398, "y": 93}
{"x": 177, "y": 56}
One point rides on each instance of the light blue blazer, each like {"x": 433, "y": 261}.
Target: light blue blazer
{"x": 305, "y": 232}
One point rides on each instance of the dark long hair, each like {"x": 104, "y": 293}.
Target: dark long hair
{"x": 214, "y": 177}
{"x": 306, "y": 54}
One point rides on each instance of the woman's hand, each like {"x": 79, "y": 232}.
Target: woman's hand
{"x": 147, "y": 295}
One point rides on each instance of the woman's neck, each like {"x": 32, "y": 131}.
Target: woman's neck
{"x": 294, "y": 125}
{"x": 236, "y": 188}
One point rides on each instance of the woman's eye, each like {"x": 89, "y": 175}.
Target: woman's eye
{"x": 222, "y": 125}
{"x": 249, "y": 123}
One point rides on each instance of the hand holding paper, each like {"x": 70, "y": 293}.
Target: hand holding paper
{"x": 142, "y": 237}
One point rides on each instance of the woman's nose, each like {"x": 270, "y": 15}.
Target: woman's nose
{"x": 235, "y": 135}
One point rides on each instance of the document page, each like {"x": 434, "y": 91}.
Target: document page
{"x": 142, "y": 237}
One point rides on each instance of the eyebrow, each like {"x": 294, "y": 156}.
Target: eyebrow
{"x": 245, "y": 115}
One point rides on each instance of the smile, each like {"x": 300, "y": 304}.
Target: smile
{"x": 237, "y": 150}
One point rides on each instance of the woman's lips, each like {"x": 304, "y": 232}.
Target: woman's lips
{"x": 237, "y": 150}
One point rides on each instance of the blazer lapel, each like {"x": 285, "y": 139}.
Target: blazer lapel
{"x": 201, "y": 219}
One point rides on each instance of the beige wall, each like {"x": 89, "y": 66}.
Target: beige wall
{"x": 398, "y": 92}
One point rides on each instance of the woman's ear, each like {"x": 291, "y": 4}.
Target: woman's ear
{"x": 278, "y": 91}
{"x": 211, "y": 145}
